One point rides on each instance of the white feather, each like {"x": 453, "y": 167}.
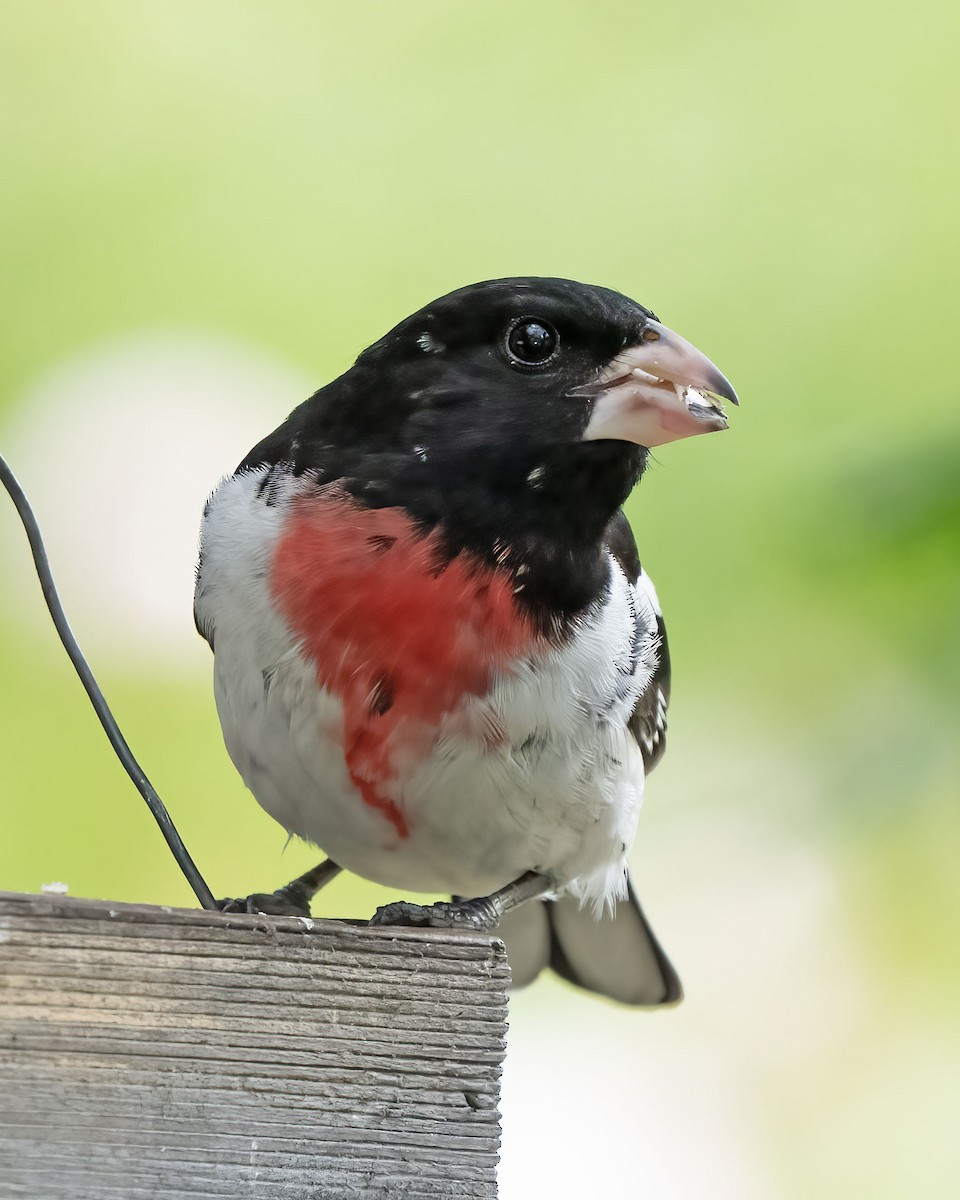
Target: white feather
{"x": 540, "y": 774}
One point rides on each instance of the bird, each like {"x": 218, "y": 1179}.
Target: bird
{"x": 437, "y": 656}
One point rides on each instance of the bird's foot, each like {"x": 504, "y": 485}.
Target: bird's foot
{"x": 481, "y": 914}
{"x": 280, "y": 903}
{"x": 292, "y": 900}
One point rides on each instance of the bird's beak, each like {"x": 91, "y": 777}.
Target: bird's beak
{"x": 657, "y": 391}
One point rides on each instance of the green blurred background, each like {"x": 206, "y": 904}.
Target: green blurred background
{"x": 209, "y": 209}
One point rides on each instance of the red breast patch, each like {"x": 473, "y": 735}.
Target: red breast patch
{"x": 399, "y": 635}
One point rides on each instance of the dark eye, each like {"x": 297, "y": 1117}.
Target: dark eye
{"x": 531, "y": 342}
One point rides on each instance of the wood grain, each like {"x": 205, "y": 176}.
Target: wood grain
{"x": 165, "y": 1053}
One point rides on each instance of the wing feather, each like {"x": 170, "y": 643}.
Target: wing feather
{"x": 648, "y": 722}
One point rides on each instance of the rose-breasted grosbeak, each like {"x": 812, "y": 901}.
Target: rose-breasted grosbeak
{"x": 436, "y": 653}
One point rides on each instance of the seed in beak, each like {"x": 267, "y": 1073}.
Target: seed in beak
{"x": 640, "y": 373}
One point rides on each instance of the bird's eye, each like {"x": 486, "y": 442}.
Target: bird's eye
{"x": 531, "y": 342}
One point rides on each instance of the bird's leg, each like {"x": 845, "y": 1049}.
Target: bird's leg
{"x": 482, "y": 913}
{"x": 293, "y": 900}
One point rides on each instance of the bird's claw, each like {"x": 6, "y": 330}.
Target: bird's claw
{"x": 272, "y": 904}
{"x": 477, "y": 914}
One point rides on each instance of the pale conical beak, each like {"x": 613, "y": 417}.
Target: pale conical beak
{"x": 658, "y": 391}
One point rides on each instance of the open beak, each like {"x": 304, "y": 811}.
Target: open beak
{"x": 657, "y": 391}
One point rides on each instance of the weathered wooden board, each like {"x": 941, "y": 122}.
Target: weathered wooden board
{"x": 166, "y": 1053}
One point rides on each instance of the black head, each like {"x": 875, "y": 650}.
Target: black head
{"x": 501, "y": 362}
{"x": 515, "y": 410}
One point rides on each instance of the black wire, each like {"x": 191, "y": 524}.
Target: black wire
{"x": 110, "y": 727}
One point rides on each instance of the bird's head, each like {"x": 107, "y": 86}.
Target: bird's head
{"x": 538, "y": 362}
{"x": 517, "y": 410}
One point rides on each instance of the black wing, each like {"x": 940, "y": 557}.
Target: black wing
{"x": 648, "y": 722}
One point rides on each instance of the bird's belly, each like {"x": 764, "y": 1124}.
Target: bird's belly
{"x": 482, "y": 816}
{"x": 494, "y": 797}
{"x": 409, "y": 720}
{"x": 475, "y": 815}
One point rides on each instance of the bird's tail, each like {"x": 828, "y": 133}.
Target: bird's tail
{"x": 617, "y": 956}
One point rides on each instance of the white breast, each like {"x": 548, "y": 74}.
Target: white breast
{"x": 540, "y": 774}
